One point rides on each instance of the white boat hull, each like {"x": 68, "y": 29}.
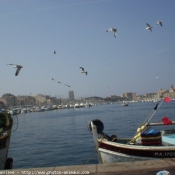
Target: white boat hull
{"x": 120, "y": 150}
{"x": 113, "y": 157}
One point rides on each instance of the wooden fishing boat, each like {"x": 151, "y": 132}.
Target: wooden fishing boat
{"x": 6, "y": 123}
{"x": 145, "y": 145}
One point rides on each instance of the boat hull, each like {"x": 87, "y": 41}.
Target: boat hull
{"x": 114, "y": 157}
{"x": 112, "y": 152}
{"x": 4, "y": 152}
{"x": 5, "y": 135}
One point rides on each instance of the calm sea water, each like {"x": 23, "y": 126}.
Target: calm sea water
{"x": 60, "y": 137}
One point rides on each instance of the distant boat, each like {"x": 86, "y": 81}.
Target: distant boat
{"x": 88, "y": 104}
{"x": 60, "y": 106}
{"x": 82, "y": 105}
{"x": 71, "y": 106}
{"x": 79, "y": 105}
{"x": 14, "y": 111}
{"x": 23, "y": 111}
{"x": 37, "y": 109}
{"x": 124, "y": 104}
{"x": 65, "y": 106}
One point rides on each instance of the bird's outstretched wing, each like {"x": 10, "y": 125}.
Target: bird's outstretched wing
{"x": 17, "y": 71}
{"x": 18, "y": 68}
{"x": 113, "y": 30}
{"x": 159, "y": 23}
{"x": 11, "y": 64}
{"x": 148, "y": 25}
{"x": 110, "y": 29}
{"x": 82, "y": 68}
{"x": 14, "y": 65}
{"x": 67, "y": 85}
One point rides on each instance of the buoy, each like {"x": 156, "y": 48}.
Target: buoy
{"x": 142, "y": 128}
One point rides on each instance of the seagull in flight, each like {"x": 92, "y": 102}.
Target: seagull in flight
{"x": 113, "y": 30}
{"x": 82, "y": 70}
{"x": 159, "y": 23}
{"x": 54, "y": 52}
{"x": 148, "y": 27}
{"x": 18, "y": 68}
{"x": 59, "y": 82}
{"x": 67, "y": 85}
{"x": 53, "y": 79}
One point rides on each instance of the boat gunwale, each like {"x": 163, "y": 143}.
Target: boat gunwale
{"x": 137, "y": 147}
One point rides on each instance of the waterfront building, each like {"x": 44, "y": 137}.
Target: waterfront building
{"x": 25, "y": 100}
{"x": 71, "y": 95}
{"x": 171, "y": 92}
{"x": 129, "y": 95}
{"x": 162, "y": 93}
{"x": 40, "y": 99}
{"x": 150, "y": 96}
{"x": 113, "y": 98}
{"x": 10, "y": 99}
{"x": 3, "y": 103}
{"x": 172, "y": 89}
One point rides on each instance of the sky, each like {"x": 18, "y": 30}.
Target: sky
{"x": 76, "y": 30}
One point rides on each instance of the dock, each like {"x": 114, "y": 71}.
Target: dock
{"x": 151, "y": 167}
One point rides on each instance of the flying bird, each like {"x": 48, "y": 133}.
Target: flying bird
{"x": 148, "y": 27}
{"x": 159, "y": 23}
{"x": 18, "y": 68}
{"x": 54, "y": 52}
{"x": 83, "y": 71}
{"x": 112, "y": 30}
{"x": 59, "y": 82}
{"x": 53, "y": 79}
{"x": 67, "y": 85}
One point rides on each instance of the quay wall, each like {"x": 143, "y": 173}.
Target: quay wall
{"x": 151, "y": 167}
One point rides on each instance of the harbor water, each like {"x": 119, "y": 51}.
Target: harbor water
{"x": 61, "y": 137}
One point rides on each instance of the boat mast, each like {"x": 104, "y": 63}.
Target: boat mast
{"x": 146, "y": 123}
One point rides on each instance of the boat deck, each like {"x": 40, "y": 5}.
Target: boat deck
{"x": 150, "y": 167}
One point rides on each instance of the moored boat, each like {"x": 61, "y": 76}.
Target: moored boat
{"x": 6, "y": 123}
{"x": 145, "y": 145}
{"x": 78, "y": 105}
{"x": 60, "y": 106}
{"x": 124, "y": 104}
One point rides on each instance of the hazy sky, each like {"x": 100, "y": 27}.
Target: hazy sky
{"x": 76, "y": 29}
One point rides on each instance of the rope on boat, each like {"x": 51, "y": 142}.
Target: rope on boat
{"x": 93, "y": 153}
{"x": 16, "y": 123}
